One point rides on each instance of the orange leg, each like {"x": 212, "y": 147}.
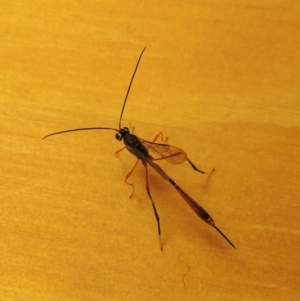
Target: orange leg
{"x": 160, "y": 135}
{"x": 117, "y": 153}
{"x": 128, "y": 175}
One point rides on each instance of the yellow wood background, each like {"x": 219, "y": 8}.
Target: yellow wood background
{"x": 220, "y": 79}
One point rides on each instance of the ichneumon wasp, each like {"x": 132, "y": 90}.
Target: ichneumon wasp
{"x": 140, "y": 148}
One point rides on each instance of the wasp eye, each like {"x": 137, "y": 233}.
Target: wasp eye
{"x": 118, "y": 136}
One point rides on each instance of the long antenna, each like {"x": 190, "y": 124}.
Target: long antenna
{"x": 79, "y": 129}
{"x": 101, "y": 128}
{"x": 128, "y": 90}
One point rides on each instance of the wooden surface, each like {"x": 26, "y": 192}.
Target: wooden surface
{"x": 220, "y": 79}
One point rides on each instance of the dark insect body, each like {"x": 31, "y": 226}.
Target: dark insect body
{"x": 140, "y": 149}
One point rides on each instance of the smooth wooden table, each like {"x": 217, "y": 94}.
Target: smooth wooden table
{"x": 220, "y": 79}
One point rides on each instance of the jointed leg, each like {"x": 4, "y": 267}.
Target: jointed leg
{"x": 128, "y": 175}
{"x": 160, "y": 135}
{"x": 153, "y": 205}
{"x": 194, "y": 166}
{"x": 118, "y": 151}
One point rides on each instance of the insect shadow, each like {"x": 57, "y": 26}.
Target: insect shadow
{"x": 141, "y": 149}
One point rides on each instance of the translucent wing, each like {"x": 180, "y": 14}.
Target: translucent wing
{"x": 171, "y": 154}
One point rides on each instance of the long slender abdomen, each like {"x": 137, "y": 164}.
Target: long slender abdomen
{"x": 200, "y": 211}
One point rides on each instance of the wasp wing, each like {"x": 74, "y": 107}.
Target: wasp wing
{"x": 171, "y": 154}
{"x": 148, "y": 160}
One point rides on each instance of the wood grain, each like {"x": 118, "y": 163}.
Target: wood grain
{"x": 220, "y": 79}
